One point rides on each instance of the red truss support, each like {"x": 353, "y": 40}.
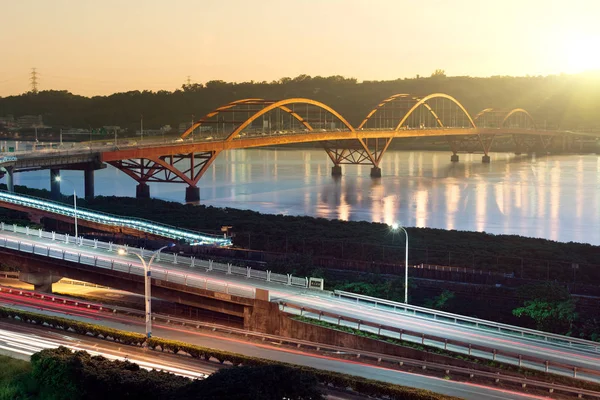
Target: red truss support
{"x": 530, "y": 143}
{"x": 180, "y": 168}
{"x": 363, "y": 151}
{"x": 471, "y": 143}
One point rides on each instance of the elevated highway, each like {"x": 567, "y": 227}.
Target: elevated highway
{"x": 39, "y": 208}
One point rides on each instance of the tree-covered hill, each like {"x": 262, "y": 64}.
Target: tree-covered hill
{"x": 566, "y": 101}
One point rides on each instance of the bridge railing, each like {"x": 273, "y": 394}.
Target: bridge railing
{"x": 139, "y": 224}
{"x": 442, "y": 342}
{"x": 456, "y": 319}
{"x": 120, "y": 266}
{"x": 164, "y": 258}
{"x": 210, "y": 265}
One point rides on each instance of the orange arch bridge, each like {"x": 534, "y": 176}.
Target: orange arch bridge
{"x": 256, "y": 122}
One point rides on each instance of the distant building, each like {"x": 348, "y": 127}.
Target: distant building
{"x": 186, "y": 125}
{"x": 9, "y": 119}
{"x": 150, "y": 132}
{"x": 30, "y": 121}
{"x": 112, "y": 128}
{"x": 8, "y": 122}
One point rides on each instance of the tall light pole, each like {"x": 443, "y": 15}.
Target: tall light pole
{"x": 59, "y": 179}
{"x": 395, "y": 227}
{"x": 192, "y": 127}
{"x": 147, "y": 285}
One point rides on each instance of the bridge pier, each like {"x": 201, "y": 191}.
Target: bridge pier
{"x": 485, "y": 159}
{"x": 336, "y": 170}
{"x": 192, "y": 194}
{"x": 10, "y": 182}
{"x": 142, "y": 191}
{"x": 54, "y": 184}
{"x": 88, "y": 179}
{"x": 454, "y": 158}
{"x": 41, "y": 281}
{"x": 375, "y": 172}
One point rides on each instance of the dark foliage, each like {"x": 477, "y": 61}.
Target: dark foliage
{"x": 567, "y": 101}
{"x": 70, "y": 376}
{"x": 269, "y": 382}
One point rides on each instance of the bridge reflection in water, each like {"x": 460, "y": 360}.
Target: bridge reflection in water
{"x": 553, "y": 197}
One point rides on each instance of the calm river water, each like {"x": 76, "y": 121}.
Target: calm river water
{"x": 552, "y": 197}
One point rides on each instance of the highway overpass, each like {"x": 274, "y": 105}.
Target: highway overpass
{"x": 39, "y": 208}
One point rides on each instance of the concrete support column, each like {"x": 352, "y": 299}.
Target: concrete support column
{"x": 454, "y": 158}
{"x": 142, "y": 191}
{"x": 41, "y": 281}
{"x": 375, "y": 172}
{"x": 485, "y": 159}
{"x": 54, "y": 184}
{"x": 88, "y": 179}
{"x": 336, "y": 170}
{"x": 192, "y": 194}
{"x": 10, "y": 182}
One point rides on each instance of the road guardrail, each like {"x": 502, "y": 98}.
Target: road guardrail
{"x": 158, "y": 272}
{"x": 442, "y": 316}
{"x": 128, "y": 268}
{"x": 440, "y": 342}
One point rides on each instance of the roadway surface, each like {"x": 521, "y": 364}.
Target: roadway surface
{"x": 30, "y": 338}
{"x": 20, "y": 341}
{"x": 134, "y": 148}
{"x": 324, "y": 301}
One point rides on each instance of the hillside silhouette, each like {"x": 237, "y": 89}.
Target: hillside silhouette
{"x": 560, "y": 101}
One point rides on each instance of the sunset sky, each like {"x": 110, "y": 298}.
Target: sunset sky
{"x": 99, "y": 47}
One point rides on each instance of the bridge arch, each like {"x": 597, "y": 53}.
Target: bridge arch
{"x": 423, "y": 101}
{"x": 282, "y": 105}
{"x": 519, "y": 111}
{"x": 481, "y": 114}
{"x": 218, "y": 110}
{"x": 381, "y": 105}
{"x": 269, "y": 105}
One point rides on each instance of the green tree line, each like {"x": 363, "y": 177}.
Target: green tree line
{"x": 565, "y": 101}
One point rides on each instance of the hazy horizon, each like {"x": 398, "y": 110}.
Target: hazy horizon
{"x": 91, "y": 48}
{"x": 595, "y": 73}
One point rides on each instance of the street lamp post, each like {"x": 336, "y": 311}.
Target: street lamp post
{"x": 147, "y": 285}
{"x": 395, "y": 227}
{"x": 59, "y": 179}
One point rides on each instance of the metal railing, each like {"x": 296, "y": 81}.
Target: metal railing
{"x": 128, "y": 268}
{"x": 459, "y": 346}
{"x": 398, "y": 362}
{"x": 166, "y": 274}
{"x": 139, "y": 224}
{"x": 441, "y": 316}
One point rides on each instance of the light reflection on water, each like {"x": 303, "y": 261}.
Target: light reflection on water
{"x": 553, "y": 197}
